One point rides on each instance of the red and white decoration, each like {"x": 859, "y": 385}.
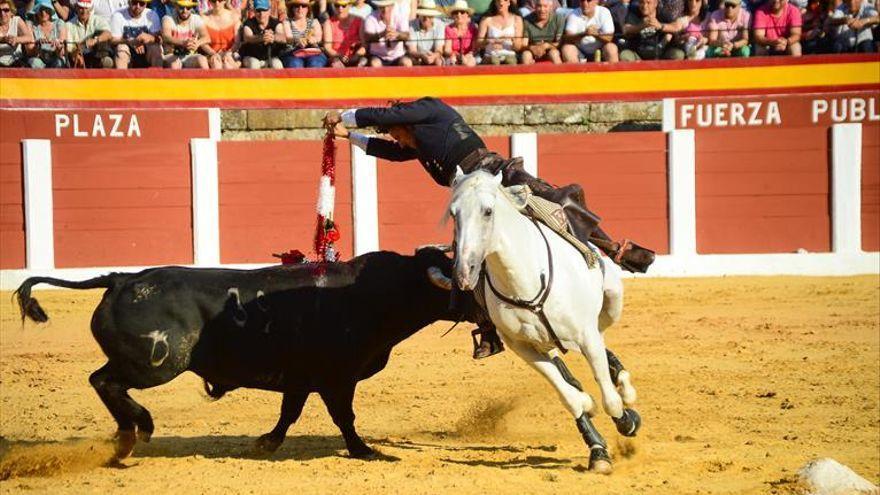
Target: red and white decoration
{"x": 326, "y": 232}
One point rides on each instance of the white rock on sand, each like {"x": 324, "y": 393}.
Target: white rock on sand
{"x": 829, "y": 477}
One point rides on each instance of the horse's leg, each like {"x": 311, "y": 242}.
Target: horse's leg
{"x": 612, "y": 308}
{"x": 578, "y": 403}
{"x": 593, "y": 348}
{"x": 620, "y": 377}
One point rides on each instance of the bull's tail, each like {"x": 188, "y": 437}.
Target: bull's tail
{"x": 30, "y": 307}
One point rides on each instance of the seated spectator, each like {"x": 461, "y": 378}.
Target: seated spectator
{"x": 14, "y": 33}
{"x": 386, "y": 32}
{"x": 777, "y": 29}
{"x": 360, "y": 9}
{"x": 460, "y": 36}
{"x": 500, "y": 34}
{"x": 184, "y": 35}
{"x": 106, "y": 8}
{"x": 815, "y": 36}
{"x": 426, "y": 37}
{"x": 89, "y": 39}
{"x": 50, "y": 38}
{"x": 527, "y": 7}
{"x": 589, "y": 31}
{"x": 135, "y": 32}
{"x": 853, "y": 21}
{"x": 237, "y": 6}
{"x": 223, "y": 25}
{"x": 342, "y": 37}
{"x": 646, "y": 37}
{"x": 543, "y": 32}
{"x": 691, "y": 38}
{"x": 304, "y": 36}
{"x": 729, "y": 31}
{"x": 262, "y": 39}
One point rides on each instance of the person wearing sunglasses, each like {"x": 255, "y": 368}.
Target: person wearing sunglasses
{"x": 729, "y": 31}
{"x": 14, "y": 33}
{"x": 342, "y": 37}
{"x": 262, "y": 39}
{"x": 49, "y": 49}
{"x": 89, "y": 37}
{"x": 135, "y": 33}
{"x": 184, "y": 35}
{"x": 304, "y": 35}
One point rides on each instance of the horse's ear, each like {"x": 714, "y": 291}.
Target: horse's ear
{"x": 497, "y": 178}
{"x": 459, "y": 173}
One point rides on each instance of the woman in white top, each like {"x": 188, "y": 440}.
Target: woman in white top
{"x": 500, "y": 34}
{"x": 14, "y": 32}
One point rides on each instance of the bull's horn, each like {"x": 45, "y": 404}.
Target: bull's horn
{"x": 437, "y": 278}
{"x": 446, "y": 248}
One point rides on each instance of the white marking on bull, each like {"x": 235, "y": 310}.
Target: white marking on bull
{"x": 158, "y": 338}
{"x": 261, "y": 301}
{"x": 239, "y": 316}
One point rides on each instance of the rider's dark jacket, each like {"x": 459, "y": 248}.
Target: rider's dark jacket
{"x": 443, "y": 139}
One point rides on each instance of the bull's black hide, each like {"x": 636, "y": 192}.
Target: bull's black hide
{"x": 292, "y": 329}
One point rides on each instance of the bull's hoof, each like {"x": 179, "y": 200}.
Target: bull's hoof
{"x": 600, "y": 461}
{"x": 125, "y": 440}
{"x": 144, "y": 435}
{"x": 363, "y": 453}
{"x": 628, "y": 424}
{"x": 269, "y": 443}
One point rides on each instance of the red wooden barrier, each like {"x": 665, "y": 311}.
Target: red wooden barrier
{"x": 268, "y": 197}
{"x": 411, "y": 204}
{"x": 762, "y": 191}
{"x": 12, "y": 247}
{"x": 624, "y": 176}
{"x": 127, "y": 204}
{"x": 871, "y": 187}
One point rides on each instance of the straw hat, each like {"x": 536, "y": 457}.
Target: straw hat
{"x": 299, "y": 2}
{"x": 460, "y": 6}
{"x": 428, "y": 8}
{"x": 186, "y": 3}
{"x": 383, "y": 3}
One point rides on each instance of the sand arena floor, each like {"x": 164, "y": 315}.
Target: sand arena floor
{"x": 740, "y": 381}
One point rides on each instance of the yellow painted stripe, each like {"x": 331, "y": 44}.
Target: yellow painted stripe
{"x": 634, "y": 82}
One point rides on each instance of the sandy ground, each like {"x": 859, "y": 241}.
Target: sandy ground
{"x": 740, "y": 381}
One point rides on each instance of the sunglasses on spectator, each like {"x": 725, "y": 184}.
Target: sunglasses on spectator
{"x": 6, "y": 10}
{"x": 138, "y": 3}
{"x": 730, "y": 5}
{"x": 184, "y": 7}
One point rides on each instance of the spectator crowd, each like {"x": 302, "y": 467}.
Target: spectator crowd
{"x": 254, "y": 34}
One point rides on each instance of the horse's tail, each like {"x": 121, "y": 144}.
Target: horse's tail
{"x": 30, "y": 307}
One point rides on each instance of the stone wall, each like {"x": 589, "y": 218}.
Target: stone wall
{"x": 487, "y": 120}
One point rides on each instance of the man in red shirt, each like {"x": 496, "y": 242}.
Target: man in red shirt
{"x": 777, "y": 28}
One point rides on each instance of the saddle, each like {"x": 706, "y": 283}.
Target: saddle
{"x": 550, "y": 214}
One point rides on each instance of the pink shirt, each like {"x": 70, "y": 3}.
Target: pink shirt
{"x": 345, "y": 42}
{"x": 777, "y": 27}
{"x": 388, "y": 51}
{"x": 729, "y": 30}
{"x": 462, "y": 44}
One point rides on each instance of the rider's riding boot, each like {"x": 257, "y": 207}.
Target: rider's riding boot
{"x": 489, "y": 344}
{"x": 629, "y": 255}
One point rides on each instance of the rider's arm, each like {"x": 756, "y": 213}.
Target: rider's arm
{"x": 389, "y": 150}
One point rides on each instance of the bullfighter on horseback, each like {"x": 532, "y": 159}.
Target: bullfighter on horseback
{"x": 434, "y": 133}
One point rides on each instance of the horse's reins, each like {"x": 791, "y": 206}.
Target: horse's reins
{"x": 536, "y": 304}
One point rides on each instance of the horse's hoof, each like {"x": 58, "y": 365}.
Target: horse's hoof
{"x": 268, "y": 443}
{"x": 628, "y": 424}
{"x": 600, "y": 461}
{"x": 125, "y": 440}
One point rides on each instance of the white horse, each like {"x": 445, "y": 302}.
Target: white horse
{"x": 541, "y": 295}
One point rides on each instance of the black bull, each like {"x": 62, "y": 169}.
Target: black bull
{"x": 291, "y": 329}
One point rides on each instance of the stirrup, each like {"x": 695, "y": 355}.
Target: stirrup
{"x": 488, "y": 345}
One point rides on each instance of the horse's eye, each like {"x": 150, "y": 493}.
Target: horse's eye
{"x": 487, "y": 212}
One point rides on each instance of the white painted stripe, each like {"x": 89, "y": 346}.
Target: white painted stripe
{"x": 668, "y": 115}
{"x": 206, "y": 202}
{"x": 215, "y": 130}
{"x": 39, "y": 223}
{"x": 846, "y": 188}
{"x": 682, "y": 193}
{"x": 365, "y": 207}
{"x": 712, "y": 265}
{"x": 525, "y": 145}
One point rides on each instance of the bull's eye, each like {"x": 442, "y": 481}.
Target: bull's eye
{"x": 487, "y": 212}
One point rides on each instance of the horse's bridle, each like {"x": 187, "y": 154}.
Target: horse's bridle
{"x": 536, "y": 304}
